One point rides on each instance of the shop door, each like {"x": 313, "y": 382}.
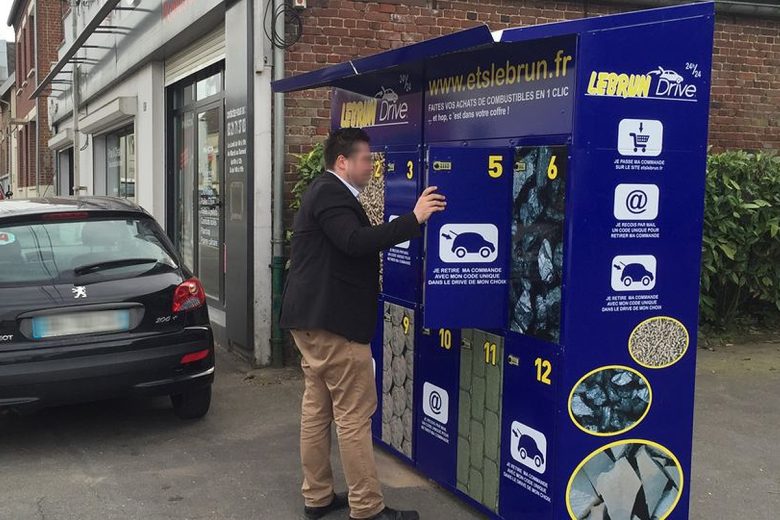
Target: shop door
{"x": 209, "y": 200}
{"x": 197, "y": 185}
{"x": 65, "y": 172}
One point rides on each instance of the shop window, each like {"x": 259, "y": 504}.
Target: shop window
{"x": 31, "y": 44}
{"x": 208, "y": 87}
{"x": 120, "y": 164}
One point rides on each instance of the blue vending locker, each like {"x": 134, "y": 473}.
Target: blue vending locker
{"x": 536, "y": 351}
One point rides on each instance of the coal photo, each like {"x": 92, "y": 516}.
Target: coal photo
{"x": 538, "y": 193}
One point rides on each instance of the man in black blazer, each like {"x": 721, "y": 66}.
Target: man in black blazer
{"x": 330, "y": 305}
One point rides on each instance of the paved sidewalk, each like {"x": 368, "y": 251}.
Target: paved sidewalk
{"x": 135, "y": 460}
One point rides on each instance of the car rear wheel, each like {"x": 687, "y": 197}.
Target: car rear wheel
{"x": 193, "y": 404}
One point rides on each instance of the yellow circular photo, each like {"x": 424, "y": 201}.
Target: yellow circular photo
{"x": 626, "y": 480}
{"x": 658, "y": 342}
{"x": 610, "y": 400}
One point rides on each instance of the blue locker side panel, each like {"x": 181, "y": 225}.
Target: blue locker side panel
{"x": 635, "y": 203}
{"x": 467, "y": 246}
{"x": 436, "y": 414}
{"x": 402, "y": 263}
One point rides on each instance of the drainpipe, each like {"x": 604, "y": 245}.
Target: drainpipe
{"x": 37, "y": 109}
{"x": 7, "y": 131}
{"x": 277, "y": 239}
{"x": 75, "y": 102}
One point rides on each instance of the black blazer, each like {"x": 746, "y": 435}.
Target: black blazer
{"x": 333, "y": 282}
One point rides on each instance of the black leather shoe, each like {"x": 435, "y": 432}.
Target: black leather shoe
{"x": 392, "y": 514}
{"x": 339, "y": 502}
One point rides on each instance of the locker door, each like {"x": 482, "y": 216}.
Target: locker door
{"x": 402, "y": 263}
{"x": 467, "y": 245}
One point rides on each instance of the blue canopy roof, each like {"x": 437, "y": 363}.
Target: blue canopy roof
{"x": 345, "y": 74}
{"x": 407, "y": 55}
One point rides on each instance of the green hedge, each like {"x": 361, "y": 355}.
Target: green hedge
{"x": 741, "y": 250}
{"x": 307, "y": 167}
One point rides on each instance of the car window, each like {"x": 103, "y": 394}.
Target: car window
{"x": 80, "y": 251}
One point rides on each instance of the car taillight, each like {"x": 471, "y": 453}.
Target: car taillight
{"x": 192, "y": 357}
{"x": 189, "y": 295}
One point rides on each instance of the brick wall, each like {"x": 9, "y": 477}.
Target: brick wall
{"x": 745, "y": 109}
{"x": 47, "y": 27}
{"x": 50, "y": 37}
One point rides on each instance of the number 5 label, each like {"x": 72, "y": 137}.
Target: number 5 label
{"x": 495, "y": 166}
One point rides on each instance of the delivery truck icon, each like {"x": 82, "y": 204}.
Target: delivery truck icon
{"x": 468, "y": 243}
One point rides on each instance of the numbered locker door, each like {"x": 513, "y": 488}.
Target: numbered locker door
{"x": 402, "y": 272}
{"x": 436, "y": 416}
{"x": 468, "y": 244}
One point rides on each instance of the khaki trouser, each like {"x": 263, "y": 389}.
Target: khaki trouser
{"x": 340, "y": 388}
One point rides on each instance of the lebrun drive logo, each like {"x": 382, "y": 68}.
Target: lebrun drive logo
{"x": 659, "y": 83}
{"x": 386, "y": 108}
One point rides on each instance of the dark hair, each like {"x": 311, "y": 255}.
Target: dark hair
{"x": 342, "y": 142}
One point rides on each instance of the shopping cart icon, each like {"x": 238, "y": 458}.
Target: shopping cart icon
{"x": 640, "y": 141}
{"x": 640, "y": 137}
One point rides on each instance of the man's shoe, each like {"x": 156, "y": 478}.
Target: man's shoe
{"x": 392, "y": 514}
{"x": 339, "y": 502}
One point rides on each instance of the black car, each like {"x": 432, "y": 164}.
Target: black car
{"x": 95, "y": 303}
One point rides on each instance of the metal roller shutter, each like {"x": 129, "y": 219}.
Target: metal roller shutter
{"x": 204, "y": 52}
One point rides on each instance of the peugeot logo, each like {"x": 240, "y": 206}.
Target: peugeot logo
{"x": 79, "y": 292}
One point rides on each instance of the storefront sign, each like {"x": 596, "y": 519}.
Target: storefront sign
{"x": 239, "y": 178}
{"x": 522, "y": 89}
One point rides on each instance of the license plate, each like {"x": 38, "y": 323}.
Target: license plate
{"x": 89, "y": 322}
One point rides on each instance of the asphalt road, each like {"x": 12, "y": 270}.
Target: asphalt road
{"x": 135, "y": 460}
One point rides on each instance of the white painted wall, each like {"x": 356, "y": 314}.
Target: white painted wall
{"x": 147, "y": 87}
{"x": 263, "y": 194}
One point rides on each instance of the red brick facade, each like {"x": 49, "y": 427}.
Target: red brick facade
{"x": 39, "y": 35}
{"x": 745, "y": 107}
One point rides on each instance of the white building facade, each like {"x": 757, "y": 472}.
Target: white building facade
{"x": 174, "y": 114}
